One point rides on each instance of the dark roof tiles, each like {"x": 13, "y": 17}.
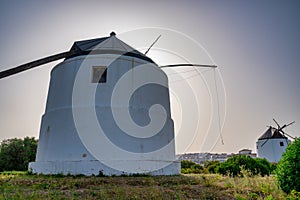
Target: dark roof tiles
{"x": 272, "y": 133}
{"x": 106, "y": 45}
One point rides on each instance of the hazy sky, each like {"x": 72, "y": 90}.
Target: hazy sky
{"x": 254, "y": 43}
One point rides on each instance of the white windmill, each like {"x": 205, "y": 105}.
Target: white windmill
{"x": 108, "y": 111}
{"x": 272, "y": 144}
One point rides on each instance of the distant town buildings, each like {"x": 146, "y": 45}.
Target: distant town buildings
{"x": 247, "y": 152}
{"x": 202, "y": 158}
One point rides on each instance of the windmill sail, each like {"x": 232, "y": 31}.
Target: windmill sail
{"x": 35, "y": 63}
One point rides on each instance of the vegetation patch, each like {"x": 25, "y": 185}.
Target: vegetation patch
{"x": 15, "y": 154}
{"x": 240, "y": 177}
{"x": 20, "y": 185}
{"x": 288, "y": 169}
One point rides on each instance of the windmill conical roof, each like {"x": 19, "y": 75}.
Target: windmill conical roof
{"x": 106, "y": 45}
{"x": 271, "y": 133}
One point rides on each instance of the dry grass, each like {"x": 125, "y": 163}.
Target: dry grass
{"x": 15, "y": 185}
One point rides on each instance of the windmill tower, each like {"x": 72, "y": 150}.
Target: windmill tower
{"x": 67, "y": 136}
{"x": 272, "y": 144}
{"x": 107, "y": 111}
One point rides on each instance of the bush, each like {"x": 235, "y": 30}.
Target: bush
{"x": 189, "y": 167}
{"x": 263, "y": 167}
{"x": 211, "y": 166}
{"x": 273, "y": 167}
{"x": 15, "y": 154}
{"x": 234, "y": 165}
{"x": 288, "y": 168}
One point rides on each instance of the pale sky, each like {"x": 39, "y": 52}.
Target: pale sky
{"x": 254, "y": 43}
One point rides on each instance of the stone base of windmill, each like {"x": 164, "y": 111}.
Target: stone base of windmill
{"x": 95, "y": 167}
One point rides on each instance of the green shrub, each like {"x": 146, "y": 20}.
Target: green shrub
{"x": 273, "y": 167}
{"x": 288, "y": 168}
{"x": 229, "y": 167}
{"x": 234, "y": 165}
{"x": 294, "y": 195}
{"x": 189, "y": 167}
{"x": 187, "y": 163}
{"x": 211, "y": 166}
{"x": 263, "y": 167}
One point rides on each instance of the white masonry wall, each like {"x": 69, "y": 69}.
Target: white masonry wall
{"x": 80, "y": 135}
{"x": 271, "y": 150}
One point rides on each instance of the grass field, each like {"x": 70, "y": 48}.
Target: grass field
{"x": 20, "y": 185}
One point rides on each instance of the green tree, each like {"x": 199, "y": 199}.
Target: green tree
{"x": 288, "y": 168}
{"x": 15, "y": 154}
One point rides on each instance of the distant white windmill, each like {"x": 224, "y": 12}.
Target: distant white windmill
{"x": 272, "y": 144}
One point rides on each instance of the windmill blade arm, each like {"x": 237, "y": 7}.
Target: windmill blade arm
{"x": 276, "y": 123}
{"x": 152, "y": 44}
{"x": 280, "y": 129}
{"x": 35, "y": 63}
{"x": 284, "y": 133}
{"x": 289, "y": 136}
{"x": 290, "y": 123}
{"x": 191, "y": 65}
{"x": 264, "y": 143}
{"x": 286, "y": 125}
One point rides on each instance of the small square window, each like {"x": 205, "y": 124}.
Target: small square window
{"x": 281, "y": 144}
{"x": 99, "y": 74}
